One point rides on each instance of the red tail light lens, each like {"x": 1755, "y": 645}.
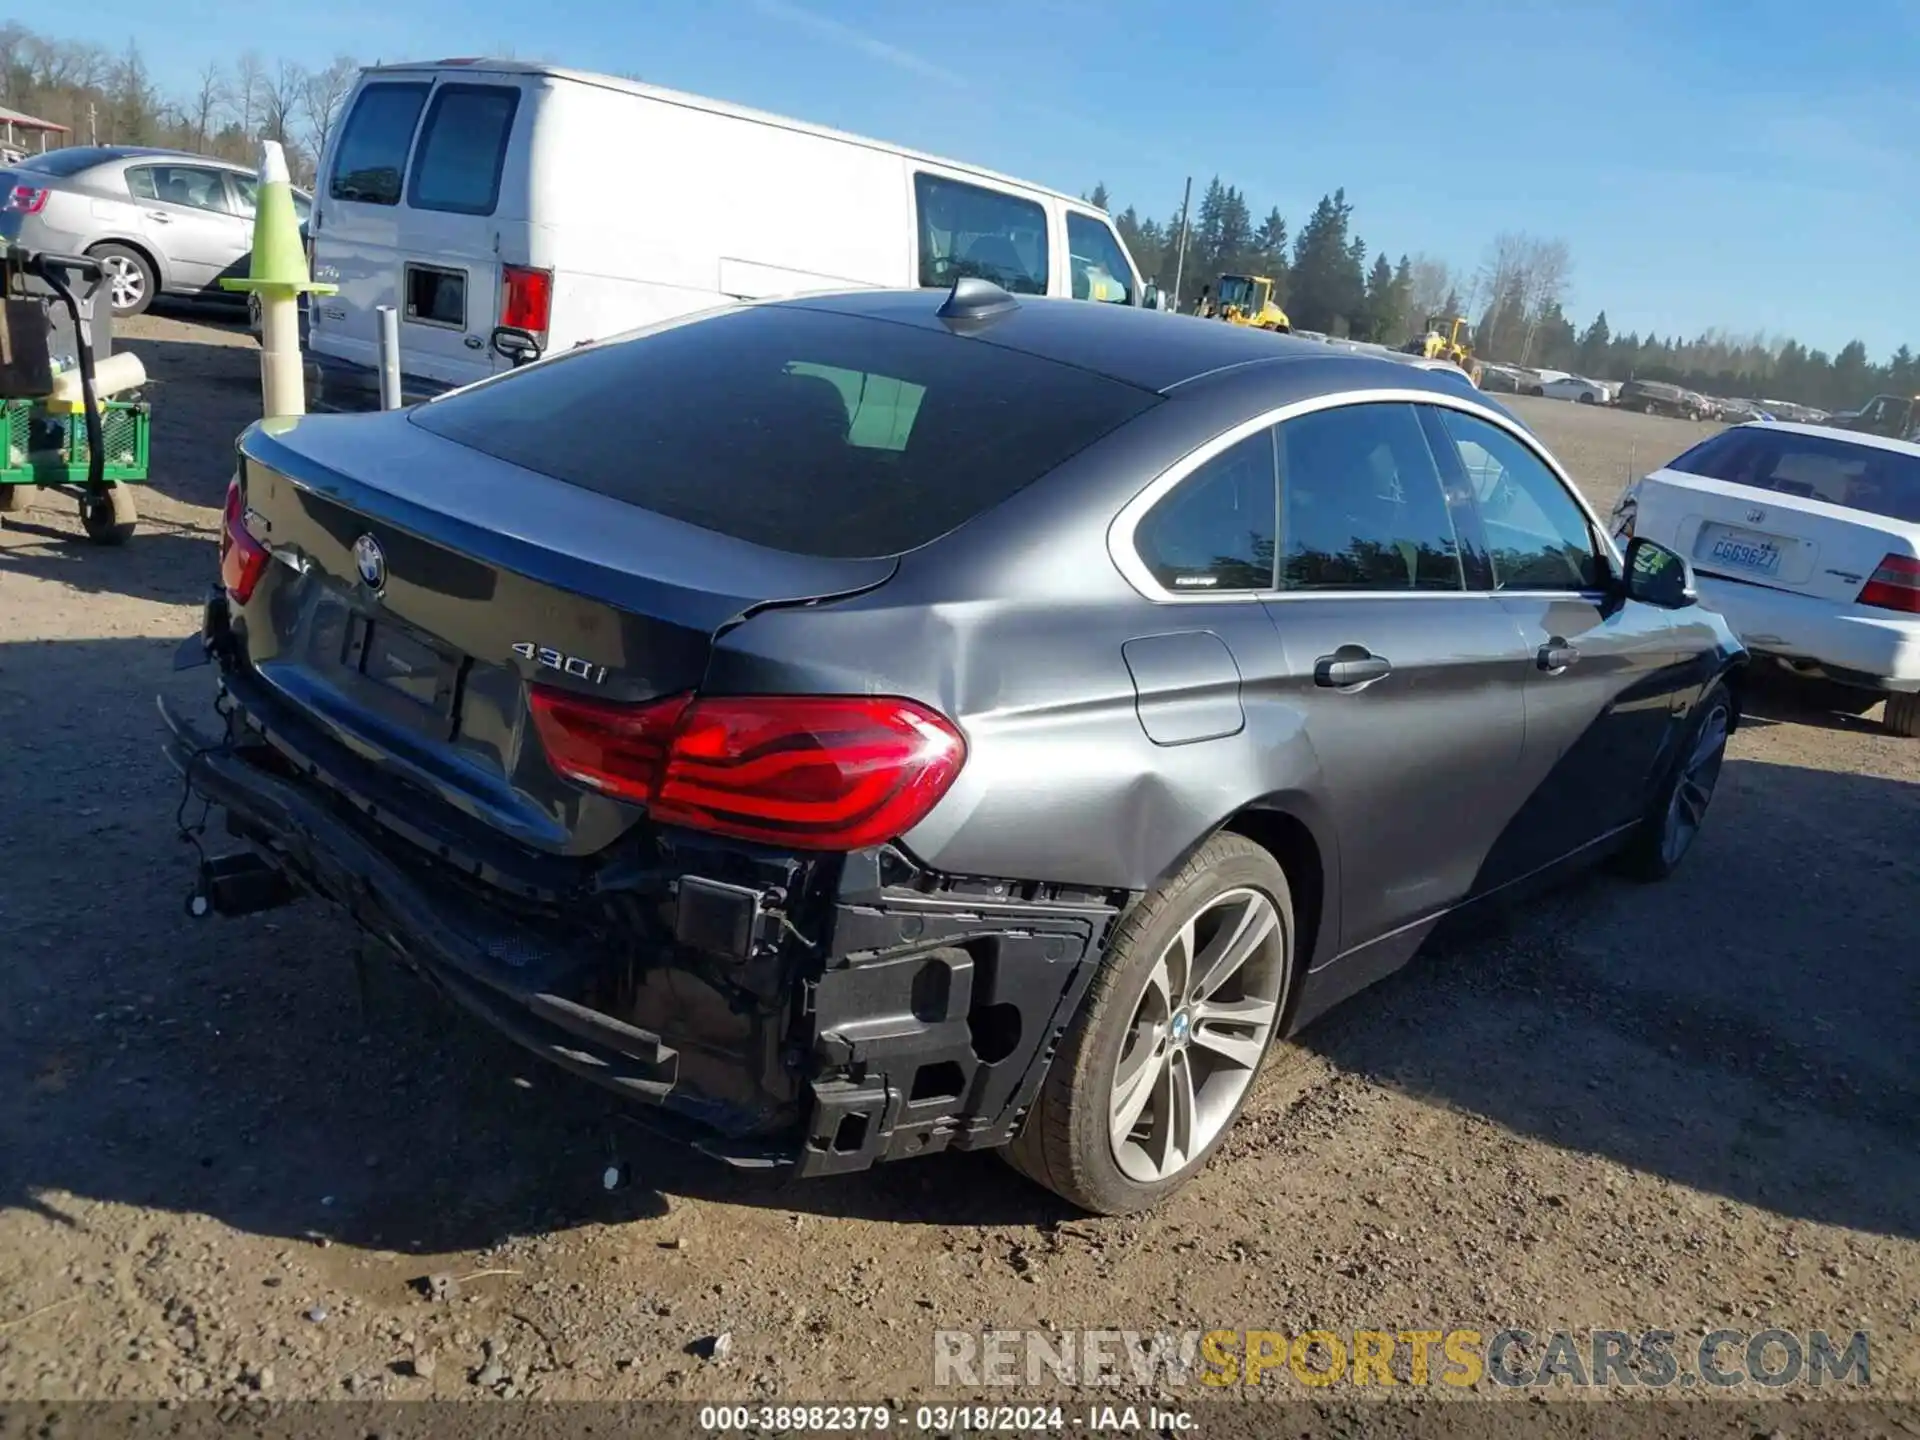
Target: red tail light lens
{"x": 1895, "y": 585}
{"x": 243, "y": 559}
{"x": 526, "y": 299}
{"x": 810, "y": 772}
{"x": 27, "y": 199}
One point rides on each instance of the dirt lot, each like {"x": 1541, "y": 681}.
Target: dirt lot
{"x": 1679, "y": 1107}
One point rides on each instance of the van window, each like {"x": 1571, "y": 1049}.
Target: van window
{"x": 746, "y": 428}
{"x": 372, "y": 154}
{"x": 969, "y": 230}
{"x": 1100, "y": 269}
{"x": 463, "y": 148}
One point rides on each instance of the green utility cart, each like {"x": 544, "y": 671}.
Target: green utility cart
{"x": 90, "y": 450}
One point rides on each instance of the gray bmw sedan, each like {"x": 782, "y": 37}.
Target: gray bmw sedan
{"x": 857, "y": 726}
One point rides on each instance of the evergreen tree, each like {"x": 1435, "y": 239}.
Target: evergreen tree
{"x": 1595, "y": 347}
{"x": 1321, "y": 289}
{"x": 1380, "y": 318}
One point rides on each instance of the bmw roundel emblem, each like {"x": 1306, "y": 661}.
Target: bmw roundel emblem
{"x": 371, "y": 562}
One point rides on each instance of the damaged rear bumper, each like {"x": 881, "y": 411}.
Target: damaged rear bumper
{"x": 882, "y": 1012}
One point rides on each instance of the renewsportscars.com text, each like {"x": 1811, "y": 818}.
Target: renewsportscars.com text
{"x": 1460, "y": 1358}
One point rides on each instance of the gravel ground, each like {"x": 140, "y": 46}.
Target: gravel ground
{"x": 1680, "y": 1107}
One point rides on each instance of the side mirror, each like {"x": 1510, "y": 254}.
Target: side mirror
{"x": 1659, "y": 576}
{"x": 516, "y": 347}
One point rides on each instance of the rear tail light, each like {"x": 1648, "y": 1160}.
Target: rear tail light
{"x": 809, "y": 772}
{"x": 526, "y": 299}
{"x": 243, "y": 559}
{"x": 1895, "y": 585}
{"x": 27, "y": 199}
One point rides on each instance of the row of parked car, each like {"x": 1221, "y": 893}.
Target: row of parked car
{"x": 1647, "y": 397}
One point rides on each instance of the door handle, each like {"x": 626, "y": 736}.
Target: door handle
{"x": 161, "y": 216}
{"x": 1349, "y": 665}
{"x": 1556, "y": 655}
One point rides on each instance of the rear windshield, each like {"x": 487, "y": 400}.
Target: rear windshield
{"x": 372, "y": 152}
{"x": 70, "y": 161}
{"x": 463, "y": 148}
{"x": 808, "y": 432}
{"x": 1872, "y": 478}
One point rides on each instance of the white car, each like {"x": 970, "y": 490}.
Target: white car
{"x": 1807, "y": 540}
{"x": 1576, "y": 388}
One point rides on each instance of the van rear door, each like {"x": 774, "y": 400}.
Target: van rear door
{"x": 417, "y": 191}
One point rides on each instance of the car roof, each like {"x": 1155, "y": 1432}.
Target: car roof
{"x": 1149, "y": 349}
{"x": 683, "y": 98}
{"x": 1834, "y": 432}
{"x": 89, "y": 155}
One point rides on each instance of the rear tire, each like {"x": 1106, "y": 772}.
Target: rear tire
{"x": 1902, "y": 715}
{"x": 1679, "y": 809}
{"x": 131, "y": 283}
{"x": 109, "y": 515}
{"x": 1539, "y": 391}
{"x": 1154, "y": 1047}
{"x": 1584, "y": 398}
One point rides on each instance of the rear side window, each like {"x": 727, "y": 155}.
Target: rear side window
{"x": 1100, "y": 270}
{"x": 1361, "y": 504}
{"x": 463, "y": 148}
{"x": 371, "y": 157}
{"x": 798, "y": 429}
{"x": 969, "y": 230}
{"x": 1872, "y": 478}
{"x": 1214, "y": 531}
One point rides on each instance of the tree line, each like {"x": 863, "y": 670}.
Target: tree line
{"x": 1325, "y": 276}
{"x": 109, "y": 98}
{"x": 1513, "y": 298}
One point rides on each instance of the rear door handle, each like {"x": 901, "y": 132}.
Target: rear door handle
{"x": 161, "y": 216}
{"x": 1350, "y": 665}
{"x": 1556, "y": 655}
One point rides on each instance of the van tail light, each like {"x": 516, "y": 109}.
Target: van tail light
{"x": 809, "y": 772}
{"x": 243, "y": 558}
{"x": 27, "y": 199}
{"x": 1895, "y": 585}
{"x": 526, "y": 299}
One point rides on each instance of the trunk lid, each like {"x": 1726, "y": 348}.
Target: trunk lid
{"x": 418, "y": 587}
{"x": 1793, "y": 542}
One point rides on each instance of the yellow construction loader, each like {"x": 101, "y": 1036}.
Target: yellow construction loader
{"x": 1247, "y": 300}
{"x": 1447, "y": 337}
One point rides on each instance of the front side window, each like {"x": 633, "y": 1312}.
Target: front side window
{"x": 463, "y": 149}
{"x": 793, "y": 428}
{"x": 371, "y": 157}
{"x": 1361, "y": 504}
{"x": 1215, "y": 530}
{"x": 1100, "y": 269}
{"x": 1538, "y": 537}
{"x": 968, "y": 230}
{"x": 188, "y": 185}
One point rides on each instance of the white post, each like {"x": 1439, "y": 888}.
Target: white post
{"x": 389, "y": 357}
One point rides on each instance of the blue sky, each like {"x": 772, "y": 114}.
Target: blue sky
{"x": 1748, "y": 165}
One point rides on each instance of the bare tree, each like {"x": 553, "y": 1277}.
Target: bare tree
{"x": 1433, "y": 281}
{"x": 323, "y": 95}
{"x": 210, "y": 94}
{"x": 250, "y": 81}
{"x": 281, "y": 96}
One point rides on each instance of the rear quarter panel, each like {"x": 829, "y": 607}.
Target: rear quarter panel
{"x": 1016, "y": 626}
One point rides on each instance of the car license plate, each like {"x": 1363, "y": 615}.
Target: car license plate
{"x": 1744, "y": 550}
{"x": 403, "y": 664}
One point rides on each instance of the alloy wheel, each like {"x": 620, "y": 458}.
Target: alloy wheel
{"x": 1199, "y": 1030}
{"x": 1694, "y": 789}
{"x": 129, "y": 286}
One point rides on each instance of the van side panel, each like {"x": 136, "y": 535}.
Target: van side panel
{"x": 647, "y": 210}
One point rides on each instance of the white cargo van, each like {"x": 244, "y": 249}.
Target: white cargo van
{"x": 470, "y": 194}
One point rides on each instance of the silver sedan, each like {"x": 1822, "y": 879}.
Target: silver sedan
{"x": 161, "y": 222}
